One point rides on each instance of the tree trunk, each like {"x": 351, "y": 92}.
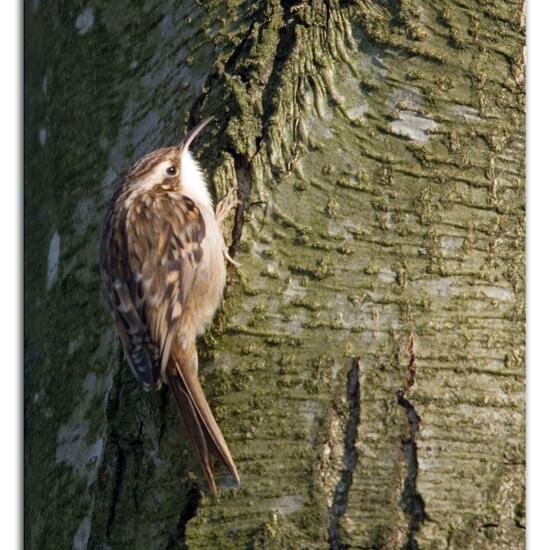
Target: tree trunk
{"x": 367, "y": 366}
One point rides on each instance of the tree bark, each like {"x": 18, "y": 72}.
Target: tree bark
{"x": 367, "y": 365}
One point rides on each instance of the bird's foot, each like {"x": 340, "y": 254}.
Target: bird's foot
{"x": 227, "y": 205}
{"x": 223, "y": 210}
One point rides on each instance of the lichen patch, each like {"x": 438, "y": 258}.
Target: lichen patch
{"x": 53, "y": 259}
{"x": 85, "y": 21}
{"x": 42, "y": 135}
{"x": 82, "y": 535}
{"x": 410, "y": 124}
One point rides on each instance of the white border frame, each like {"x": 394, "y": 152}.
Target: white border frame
{"x": 11, "y": 273}
{"x": 538, "y": 275}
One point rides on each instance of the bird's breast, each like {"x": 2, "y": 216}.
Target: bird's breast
{"x": 209, "y": 281}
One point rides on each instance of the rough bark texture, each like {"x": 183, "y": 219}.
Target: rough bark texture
{"x": 367, "y": 367}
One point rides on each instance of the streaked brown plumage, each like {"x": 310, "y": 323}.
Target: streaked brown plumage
{"x": 163, "y": 269}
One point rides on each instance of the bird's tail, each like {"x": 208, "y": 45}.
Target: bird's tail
{"x": 202, "y": 429}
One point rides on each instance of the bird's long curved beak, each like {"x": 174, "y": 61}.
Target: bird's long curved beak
{"x": 186, "y": 143}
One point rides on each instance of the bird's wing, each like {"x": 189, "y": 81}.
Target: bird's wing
{"x": 150, "y": 255}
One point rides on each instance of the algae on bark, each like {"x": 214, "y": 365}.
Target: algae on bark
{"x": 367, "y": 367}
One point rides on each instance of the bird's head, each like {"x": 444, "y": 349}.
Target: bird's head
{"x": 172, "y": 169}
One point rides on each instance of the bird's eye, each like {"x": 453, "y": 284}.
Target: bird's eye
{"x": 171, "y": 170}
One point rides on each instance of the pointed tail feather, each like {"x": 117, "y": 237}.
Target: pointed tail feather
{"x": 204, "y": 433}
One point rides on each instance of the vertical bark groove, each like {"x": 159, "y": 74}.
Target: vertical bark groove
{"x": 349, "y": 458}
{"x": 189, "y": 511}
{"x": 411, "y": 500}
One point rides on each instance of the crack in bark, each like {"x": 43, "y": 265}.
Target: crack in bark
{"x": 232, "y": 59}
{"x": 137, "y": 448}
{"x": 242, "y": 162}
{"x": 285, "y": 44}
{"x": 349, "y": 459}
{"x": 191, "y": 499}
{"x": 189, "y": 511}
{"x": 411, "y": 367}
{"x": 244, "y": 190}
{"x": 115, "y": 440}
{"x": 164, "y": 397}
{"x": 120, "y": 467}
{"x": 411, "y": 500}
{"x": 111, "y": 412}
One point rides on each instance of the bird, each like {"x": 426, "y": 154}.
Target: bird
{"x": 163, "y": 269}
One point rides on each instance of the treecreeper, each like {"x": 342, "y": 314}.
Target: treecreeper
{"x": 162, "y": 258}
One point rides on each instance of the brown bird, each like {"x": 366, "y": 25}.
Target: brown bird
{"x": 163, "y": 269}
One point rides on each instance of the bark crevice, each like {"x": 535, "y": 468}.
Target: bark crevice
{"x": 120, "y": 466}
{"x": 244, "y": 190}
{"x": 188, "y": 512}
{"x": 163, "y": 405}
{"x": 268, "y": 104}
{"x": 411, "y": 500}
{"x": 113, "y": 406}
{"x": 349, "y": 459}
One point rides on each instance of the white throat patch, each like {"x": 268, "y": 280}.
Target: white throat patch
{"x": 192, "y": 181}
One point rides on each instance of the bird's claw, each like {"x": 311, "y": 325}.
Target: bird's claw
{"x": 223, "y": 209}
{"x": 226, "y": 205}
